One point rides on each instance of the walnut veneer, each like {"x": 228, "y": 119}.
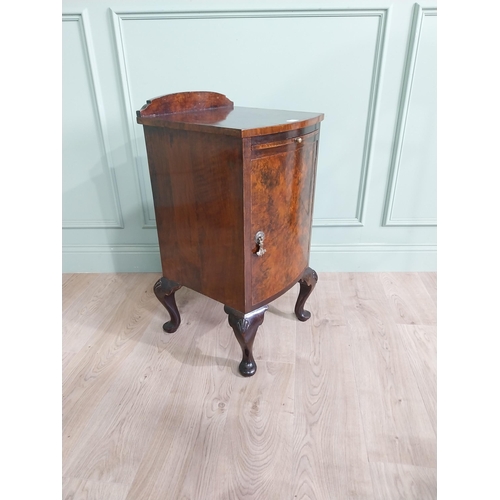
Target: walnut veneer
{"x": 221, "y": 177}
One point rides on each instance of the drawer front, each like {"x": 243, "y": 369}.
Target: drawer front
{"x": 279, "y": 143}
{"x": 282, "y": 190}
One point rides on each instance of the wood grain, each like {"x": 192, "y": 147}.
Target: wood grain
{"x": 66, "y": 358}
{"x": 184, "y": 448}
{"x": 364, "y": 301}
{"x": 83, "y": 318}
{"x": 79, "y": 489}
{"x": 397, "y": 481}
{"x": 420, "y": 343}
{"x": 396, "y": 422}
{"x": 330, "y": 458}
{"x": 282, "y": 191}
{"x": 397, "y": 426}
{"x": 430, "y": 282}
{"x": 136, "y": 397}
{"x": 198, "y": 194}
{"x": 409, "y": 299}
{"x": 74, "y": 286}
{"x": 275, "y": 340}
{"x": 91, "y": 371}
{"x": 66, "y": 277}
{"x": 216, "y": 184}
{"x": 342, "y": 406}
{"x": 184, "y": 102}
{"x": 257, "y": 461}
{"x": 236, "y": 122}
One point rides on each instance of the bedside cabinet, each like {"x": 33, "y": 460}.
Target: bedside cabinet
{"x": 233, "y": 192}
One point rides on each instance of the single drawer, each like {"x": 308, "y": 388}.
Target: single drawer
{"x": 283, "y": 145}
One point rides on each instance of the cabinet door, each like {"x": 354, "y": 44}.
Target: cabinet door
{"x": 282, "y": 190}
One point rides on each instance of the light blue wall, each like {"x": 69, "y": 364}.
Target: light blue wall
{"x": 369, "y": 66}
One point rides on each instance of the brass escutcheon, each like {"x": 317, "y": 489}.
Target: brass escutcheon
{"x": 259, "y": 239}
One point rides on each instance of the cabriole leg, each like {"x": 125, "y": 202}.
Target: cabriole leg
{"x": 307, "y": 283}
{"x": 245, "y": 327}
{"x": 165, "y": 292}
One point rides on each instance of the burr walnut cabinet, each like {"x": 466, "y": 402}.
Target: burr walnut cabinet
{"x": 233, "y": 192}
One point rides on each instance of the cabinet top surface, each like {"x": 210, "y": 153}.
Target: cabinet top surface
{"x": 237, "y": 121}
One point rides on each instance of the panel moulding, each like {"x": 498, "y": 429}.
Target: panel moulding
{"x": 409, "y": 71}
{"x": 119, "y": 17}
{"x": 86, "y": 39}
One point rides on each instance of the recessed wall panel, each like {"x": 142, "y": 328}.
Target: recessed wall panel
{"x": 287, "y": 62}
{"x": 88, "y": 198}
{"x": 413, "y": 189}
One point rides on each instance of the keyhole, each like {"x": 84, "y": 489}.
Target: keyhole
{"x": 259, "y": 240}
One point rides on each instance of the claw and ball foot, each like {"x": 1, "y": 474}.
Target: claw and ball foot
{"x": 245, "y": 327}
{"x": 165, "y": 292}
{"x": 307, "y": 283}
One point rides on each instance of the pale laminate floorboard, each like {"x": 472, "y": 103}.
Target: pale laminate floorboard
{"x": 84, "y": 316}
{"x": 420, "y": 343}
{"x": 411, "y": 302}
{"x": 396, "y": 423}
{"x": 328, "y": 288}
{"x": 216, "y": 358}
{"x": 403, "y": 482}
{"x": 92, "y": 371}
{"x": 184, "y": 448}
{"x": 157, "y": 416}
{"x": 430, "y": 282}
{"x": 117, "y": 436}
{"x": 364, "y": 301}
{"x": 80, "y": 489}
{"x": 74, "y": 286}
{"x": 66, "y": 358}
{"x": 66, "y": 277}
{"x": 330, "y": 459}
{"x": 275, "y": 340}
{"x": 256, "y": 460}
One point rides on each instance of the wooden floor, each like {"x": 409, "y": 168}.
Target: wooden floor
{"x": 342, "y": 406}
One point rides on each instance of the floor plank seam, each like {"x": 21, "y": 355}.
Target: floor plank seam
{"x": 415, "y": 376}
{"x": 192, "y": 427}
{"x": 367, "y": 456}
{"x": 403, "y": 464}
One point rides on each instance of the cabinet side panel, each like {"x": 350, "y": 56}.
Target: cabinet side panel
{"x": 198, "y": 195}
{"x": 282, "y": 192}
